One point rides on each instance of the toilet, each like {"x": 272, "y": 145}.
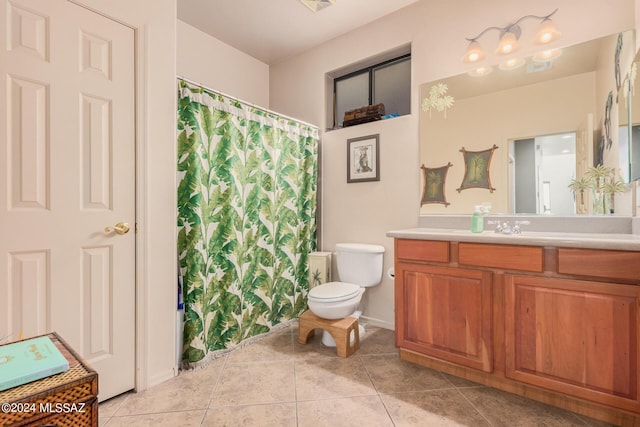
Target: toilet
{"x": 359, "y": 267}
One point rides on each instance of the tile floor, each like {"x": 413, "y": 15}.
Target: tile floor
{"x": 278, "y": 382}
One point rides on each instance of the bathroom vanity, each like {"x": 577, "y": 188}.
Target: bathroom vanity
{"x": 551, "y": 316}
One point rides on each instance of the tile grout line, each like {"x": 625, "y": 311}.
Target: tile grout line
{"x": 144, "y": 414}
{"x": 295, "y": 387}
{"x": 299, "y": 366}
{"x": 377, "y": 391}
{"x": 115, "y": 411}
{"x": 213, "y": 389}
{"x": 474, "y": 407}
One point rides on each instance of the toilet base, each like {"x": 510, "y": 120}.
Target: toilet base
{"x": 341, "y": 330}
{"x": 328, "y": 341}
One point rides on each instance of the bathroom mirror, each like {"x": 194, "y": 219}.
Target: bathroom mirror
{"x": 629, "y": 117}
{"x": 566, "y": 96}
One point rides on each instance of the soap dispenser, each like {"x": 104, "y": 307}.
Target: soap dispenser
{"x": 477, "y": 220}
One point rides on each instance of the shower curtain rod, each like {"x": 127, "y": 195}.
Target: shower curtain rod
{"x": 244, "y": 102}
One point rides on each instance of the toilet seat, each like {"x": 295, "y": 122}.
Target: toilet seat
{"x": 334, "y": 292}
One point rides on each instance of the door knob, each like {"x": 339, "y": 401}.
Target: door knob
{"x": 119, "y": 228}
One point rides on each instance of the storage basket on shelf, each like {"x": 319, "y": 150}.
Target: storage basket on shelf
{"x": 68, "y": 399}
{"x": 366, "y": 114}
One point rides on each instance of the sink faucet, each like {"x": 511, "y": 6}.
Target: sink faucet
{"x": 516, "y": 228}
{"x": 499, "y": 225}
{"x": 506, "y": 227}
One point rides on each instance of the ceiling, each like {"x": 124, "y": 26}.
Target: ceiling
{"x": 274, "y": 30}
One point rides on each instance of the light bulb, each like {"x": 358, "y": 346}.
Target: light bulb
{"x": 547, "y": 32}
{"x": 474, "y": 53}
{"x": 512, "y": 64}
{"x": 546, "y": 55}
{"x": 480, "y": 71}
{"x": 508, "y": 44}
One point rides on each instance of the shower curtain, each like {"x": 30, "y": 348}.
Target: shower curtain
{"x": 246, "y": 219}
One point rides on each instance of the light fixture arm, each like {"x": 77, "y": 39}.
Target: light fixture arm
{"x": 512, "y": 27}
{"x": 484, "y": 31}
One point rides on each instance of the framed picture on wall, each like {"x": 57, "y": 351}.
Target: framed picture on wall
{"x": 477, "y": 165}
{"x": 433, "y": 185}
{"x": 363, "y": 159}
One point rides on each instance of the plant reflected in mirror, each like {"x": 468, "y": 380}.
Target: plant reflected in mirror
{"x": 604, "y": 183}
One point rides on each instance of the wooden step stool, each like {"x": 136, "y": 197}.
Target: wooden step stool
{"x": 339, "y": 329}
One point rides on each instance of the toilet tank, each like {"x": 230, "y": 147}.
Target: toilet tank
{"x": 359, "y": 263}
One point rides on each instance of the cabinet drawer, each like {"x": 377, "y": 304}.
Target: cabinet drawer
{"x": 620, "y": 265}
{"x": 422, "y": 250}
{"x": 523, "y": 258}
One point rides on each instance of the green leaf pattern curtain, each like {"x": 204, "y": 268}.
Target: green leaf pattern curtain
{"x": 246, "y": 219}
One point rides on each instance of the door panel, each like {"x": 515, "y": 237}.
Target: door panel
{"x": 577, "y": 337}
{"x": 445, "y": 313}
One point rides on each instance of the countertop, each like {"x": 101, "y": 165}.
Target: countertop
{"x": 612, "y": 241}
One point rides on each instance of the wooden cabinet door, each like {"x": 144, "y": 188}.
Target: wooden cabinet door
{"x": 444, "y": 313}
{"x": 573, "y": 336}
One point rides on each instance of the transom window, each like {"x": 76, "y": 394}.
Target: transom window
{"x": 387, "y": 82}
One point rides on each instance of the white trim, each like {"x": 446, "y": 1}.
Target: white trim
{"x": 377, "y": 322}
{"x": 141, "y": 54}
{"x": 161, "y": 377}
{"x": 142, "y": 286}
{"x": 141, "y": 60}
{"x": 156, "y": 250}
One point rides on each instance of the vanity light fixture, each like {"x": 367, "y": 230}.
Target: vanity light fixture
{"x": 512, "y": 64}
{"x": 480, "y": 71}
{"x": 510, "y": 35}
{"x": 546, "y": 55}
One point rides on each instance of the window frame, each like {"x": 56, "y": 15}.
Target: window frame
{"x": 370, "y": 71}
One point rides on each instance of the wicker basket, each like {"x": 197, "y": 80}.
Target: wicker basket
{"x": 62, "y": 400}
{"x": 366, "y": 114}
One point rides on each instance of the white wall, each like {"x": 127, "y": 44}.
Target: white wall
{"x": 208, "y": 61}
{"x": 436, "y": 30}
{"x": 155, "y": 24}
{"x": 364, "y": 212}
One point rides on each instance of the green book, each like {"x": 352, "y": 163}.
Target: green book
{"x": 29, "y": 360}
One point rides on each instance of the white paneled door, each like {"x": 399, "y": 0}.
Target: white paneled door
{"x": 67, "y": 171}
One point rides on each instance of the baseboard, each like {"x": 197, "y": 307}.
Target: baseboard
{"x": 161, "y": 377}
{"x": 366, "y": 320}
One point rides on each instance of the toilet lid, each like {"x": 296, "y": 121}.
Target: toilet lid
{"x": 334, "y": 292}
